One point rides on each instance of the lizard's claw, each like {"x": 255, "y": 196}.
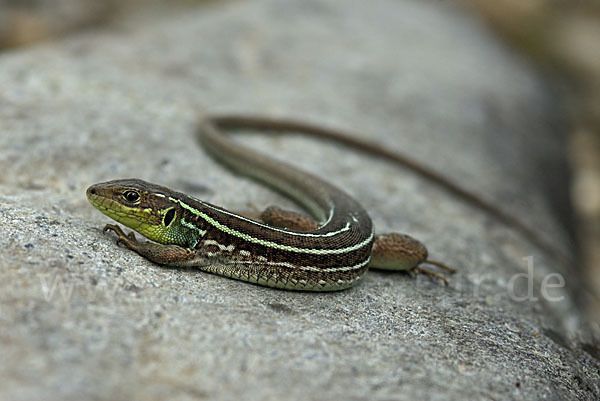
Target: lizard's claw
{"x": 115, "y": 228}
{"x": 430, "y": 273}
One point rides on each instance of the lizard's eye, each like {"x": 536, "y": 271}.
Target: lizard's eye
{"x": 131, "y": 196}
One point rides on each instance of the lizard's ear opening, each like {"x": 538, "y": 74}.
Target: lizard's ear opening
{"x": 169, "y": 216}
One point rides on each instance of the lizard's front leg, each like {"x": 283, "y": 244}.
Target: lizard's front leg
{"x": 170, "y": 255}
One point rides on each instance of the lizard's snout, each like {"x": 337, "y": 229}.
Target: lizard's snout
{"x": 92, "y": 191}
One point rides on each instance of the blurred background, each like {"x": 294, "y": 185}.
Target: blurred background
{"x": 560, "y": 37}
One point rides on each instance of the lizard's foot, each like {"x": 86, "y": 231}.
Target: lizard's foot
{"x": 430, "y": 273}
{"x": 128, "y": 240}
{"x": 441, "y": 265}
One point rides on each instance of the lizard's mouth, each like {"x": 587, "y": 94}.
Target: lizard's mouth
{"x": 96, "y": 198}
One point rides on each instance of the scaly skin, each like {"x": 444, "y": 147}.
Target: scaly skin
{"x": 287, "y": 250}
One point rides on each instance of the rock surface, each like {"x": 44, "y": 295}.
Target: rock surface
{"x": 82, "y": 319}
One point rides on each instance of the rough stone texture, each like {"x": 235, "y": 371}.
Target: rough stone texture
{"x": 81, "y": 319}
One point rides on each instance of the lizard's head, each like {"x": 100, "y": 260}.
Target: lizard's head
{"x": 144, "y": 207}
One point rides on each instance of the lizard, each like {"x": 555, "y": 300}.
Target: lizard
{"x": 331, "y": 250}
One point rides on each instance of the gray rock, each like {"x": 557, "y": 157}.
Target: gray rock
{"x": 82, "y": 319}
